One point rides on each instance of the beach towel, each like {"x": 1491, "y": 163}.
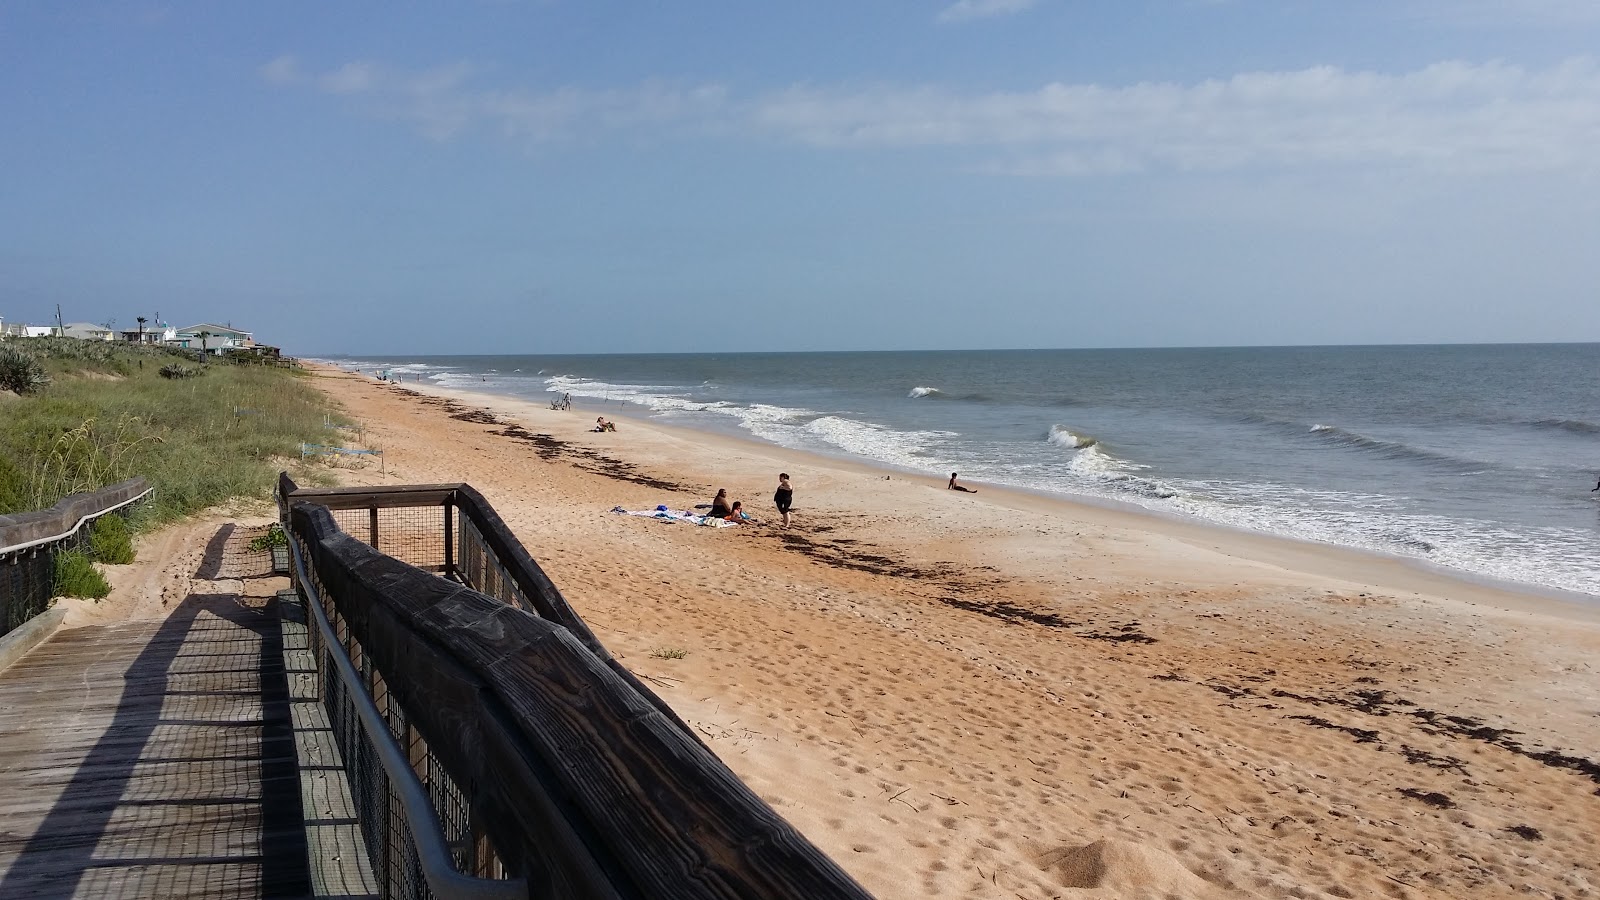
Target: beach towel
{"x": 664, "y": 514}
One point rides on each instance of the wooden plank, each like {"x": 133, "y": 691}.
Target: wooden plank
{"x": 363, "y": 498}
{"x": 153, "y": 759}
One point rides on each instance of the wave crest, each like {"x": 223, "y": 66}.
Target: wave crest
{"x": 920, "y": 391}
{"x": 1340, "y": 437}
{"x": 1571, "y": 426}
{"x": 1062, "y": 436}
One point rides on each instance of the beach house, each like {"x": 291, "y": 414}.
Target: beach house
{"x": 88, "y": 331}
{"x": 213, "y": 339}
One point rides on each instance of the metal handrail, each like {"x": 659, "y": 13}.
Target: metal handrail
{"x": 426, "y": 831}
{"x": 4, "y": 551}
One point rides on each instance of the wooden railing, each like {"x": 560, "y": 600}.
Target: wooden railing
{"x": 29, "y": 542}
{"x": 547, "y": 761}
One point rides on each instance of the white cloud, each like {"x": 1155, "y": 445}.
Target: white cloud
{"x": 284, "y": 70}
{"x": 967, "y": 10}
{"x": 1447, "y": 117}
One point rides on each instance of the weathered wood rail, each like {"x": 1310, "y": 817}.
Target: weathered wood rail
{"x": 29, "y": 542}
{"x": 543, "y": 758}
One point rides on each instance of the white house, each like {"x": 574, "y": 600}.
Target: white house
{"x": 218, "y": 338}
{"x": 88, "y": 331}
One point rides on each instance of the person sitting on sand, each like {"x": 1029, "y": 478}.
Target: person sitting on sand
{"x": 600, "y": 424}
{"x": 737, "y": 514}
{"x": 957, "y": 487}
{"x": 719, "y": 505}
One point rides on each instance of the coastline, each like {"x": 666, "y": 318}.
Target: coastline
{"x": 1355, "y": 564}
{"x": 1009, "y": 695}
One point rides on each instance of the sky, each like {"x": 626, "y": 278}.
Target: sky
{"x": 548, "y": 176}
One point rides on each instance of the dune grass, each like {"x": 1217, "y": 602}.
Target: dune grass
{"x": 76, "y": 576}
{"x": 107, "y": 414}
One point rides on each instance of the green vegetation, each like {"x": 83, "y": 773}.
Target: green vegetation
{"x": 107, "y": 415}
{"x": 669, "y": 653}
{"x": 110, "y": 541}
{"x": 178, "y": 370}
{"x": 21, "y": 373}
{"x": 275, "y": 537}
{"x": 76, "y": 576}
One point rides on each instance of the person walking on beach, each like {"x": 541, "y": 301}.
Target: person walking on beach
{"x": 956, "y": 487}
{"x": 783, "y": 497}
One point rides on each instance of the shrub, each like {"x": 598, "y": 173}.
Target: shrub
{"x": 20, "y": 372}
{"x": 275, "y": 537}
{"x": 76, "y": 576}
{"x": 109, "y": 540}
{"x": 178, "y": 370}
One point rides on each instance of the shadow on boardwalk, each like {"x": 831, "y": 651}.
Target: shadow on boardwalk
{"x": 153, "y": 759}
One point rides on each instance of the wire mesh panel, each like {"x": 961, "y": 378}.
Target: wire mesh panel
{"x": 25, "y": 586}
{"x": 411, "y": 534}
{"x": 386, "y": 829}
{"x": 478, "y": 567}
{"x": 27, "y": 576}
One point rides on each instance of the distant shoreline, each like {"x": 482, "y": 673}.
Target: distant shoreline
{"x": 1315, "y": 558}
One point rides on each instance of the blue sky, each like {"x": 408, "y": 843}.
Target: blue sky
{"x": 500, "y": 176}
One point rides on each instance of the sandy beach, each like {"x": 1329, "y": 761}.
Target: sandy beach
{"x": 1007, "y": 695}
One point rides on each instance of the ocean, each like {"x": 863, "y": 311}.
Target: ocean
{"x": 1473, "y": 458}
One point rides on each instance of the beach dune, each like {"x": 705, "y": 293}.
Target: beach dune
{"x": 1007, "y": 695}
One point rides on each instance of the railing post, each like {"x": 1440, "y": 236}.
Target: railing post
{"x": 449, "y": 539}
{"x": 373, "y": 525}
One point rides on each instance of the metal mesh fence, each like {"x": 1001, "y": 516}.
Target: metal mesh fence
{"x": 386, "y": 831}
{"x": 411, "y": 534}
{"x": 27, "y": 577}
{"x": 25, "y": 581}
{"x": 477, "y": 566}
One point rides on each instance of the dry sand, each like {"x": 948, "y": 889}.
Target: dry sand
{"x": 1002, "y": 695}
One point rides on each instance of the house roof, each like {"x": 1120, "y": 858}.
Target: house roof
{"x": 214, "y": 329}
{"x": 87, "y": 326}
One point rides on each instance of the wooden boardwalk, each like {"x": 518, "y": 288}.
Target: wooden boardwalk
{"x": 155, "y": 759}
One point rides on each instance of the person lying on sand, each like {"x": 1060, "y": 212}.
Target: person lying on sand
{"x": 957, "y": 487}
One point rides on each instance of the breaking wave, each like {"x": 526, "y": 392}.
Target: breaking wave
{"x": 1339, "y": 437}
{"x": 930, "y": 393}
{"x": 1061, "y": 436}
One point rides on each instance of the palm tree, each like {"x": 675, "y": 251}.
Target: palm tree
{"x": 141, "y": 320}
{"x": 204, "y": 336}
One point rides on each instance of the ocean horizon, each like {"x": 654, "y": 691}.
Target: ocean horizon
{"x": 1475, "y": 458}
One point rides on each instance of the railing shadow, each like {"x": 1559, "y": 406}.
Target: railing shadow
{"x": 211, "y": 561}
{"x": 192, "y": 789}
